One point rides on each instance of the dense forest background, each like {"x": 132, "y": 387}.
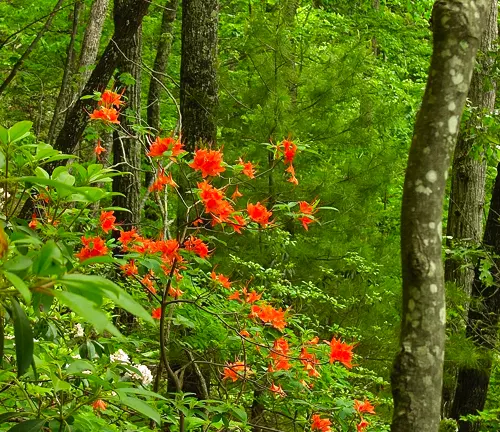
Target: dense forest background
{"x": 343, "y": 81}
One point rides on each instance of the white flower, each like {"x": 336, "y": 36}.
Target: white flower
{"x": 145, "y": 374}
{"x": 76, "y": 356}
{"x": 120, "y": 356}
{"x": 79, "y": 330}
{"x": 87, "y": 372}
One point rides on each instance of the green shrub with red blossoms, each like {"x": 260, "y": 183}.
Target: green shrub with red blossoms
{"x": 215, "y": 351}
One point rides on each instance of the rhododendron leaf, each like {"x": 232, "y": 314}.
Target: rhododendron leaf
{"x": 40, "y": 172}
{"x": 98, "y": 260}
{"x": 88, "y": 310}
{"x": 87, "y": 350}
{"x": 19, "y": 131}
{"x": 6, "y": 416}
{"x": 240, "y": 413}
{"x": 79, "y": 365}
{"x": 24, "y": 338}
{"x": 4, "y": 135}
{"x": 123, "y": 392}
{"x": 141, "y": 407}
{"x": 19, "y": 285}
{"x": 49, "y": 261}
{"x": 28, "y": 426}
{"x": 17, "y": 263}
{"x": 328, "y": 208}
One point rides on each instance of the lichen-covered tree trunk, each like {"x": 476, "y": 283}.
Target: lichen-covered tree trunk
{"x": 482, "y": 324}
{"x": 418, "y": 369}
{"x": 199, "y": 86}
{"x": 126, "y": 148}
{"x": 465, "y": 211}
{"x": 160, "y": 64}
{"x": 128, "y": 16}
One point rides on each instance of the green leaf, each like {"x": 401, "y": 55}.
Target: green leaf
{"x": 80, "y": 365}
{"x": 4, "y": 135}
{"x": 87, "y": 350}
{"x": 49, "y": 260}
{"x": 139, "y": 391}
{"x": 141, "y": 407}
{"x": 6, "y": 416}
{"x": 28, "y": 426}
{"x": 24, "y": 338}
{"x": 88, "y": 310}
{"x": 240, "y": 413}
{"x": 19, "y": 131}
{"x": 19, "y": 285}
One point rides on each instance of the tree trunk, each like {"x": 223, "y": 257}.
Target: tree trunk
{"x": 199, "y": 87}
{"x": 465, "y": 212}
{"x": 127, "y": 149}
{"x": 64, "y": 92}
{"x": 32, "y": 46}
{"x": 160, "y": 64}
{"x": 418, "y": 369}
{"x": 128, "y": 15}
{"x": 482, "y": 324}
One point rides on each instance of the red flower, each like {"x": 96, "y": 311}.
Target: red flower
{"x": 234, "y": 371}
{"x": 289, "y": 150}
{"x": 364, "y": 407}
{"x": 33, "y": 223}
{"x": 258, "y": 213}
{"x": 110, "y": 99}
{"x": 107, "y": 220}
{"x": 148, "y": 282}
{"x": 279, "y": 354}
{"x": 244, "y": 333}
{"x": 278, "y": 390}
{"x": 214, "y": 202}
{"x": 209, "y": 162}
{"x": 197, "y": 246}
{"x": 292, "y": 178}
{"x": 92, "y": 247}
{"x": 156, "y": 314}
{"x": 99, "y": 405}
{"x": 127, "y": 237}
{"x": 320, "y": 424}
{"x": 99, "y": 148}
{"x": 275, "y": 317}
{"x": 340, "y": 351}
{"x": 161, "y": 181}
{"x": 130, "y": 269}
{"x": 238, "y": 224}
{"x": 362, "y": 425}
{"x": 307, "y": 210}
{"x": 313, "y": 341}
{"x": 162, "y": 145}
{"x": 309, "y": 361}
{"x": 175, "y": 293}
{"x": 107, "y": 115}
{"x": 236, "y": 194}
{"x": 248, "y": 168}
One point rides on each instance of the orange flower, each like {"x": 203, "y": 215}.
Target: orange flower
{"x": 244, "y": 333}
{"x": 99, "y": 405}
{"x": 214, "y": 202}
{"x": 107, "y": 115}
{"x": 340, "y": 351}
{"x": 148, "y": 283}
{"x": 175, "y": 293}
{"x": 235, "y": 296}
{"x": 161, "y": 181}
{"x": 161, "y": 145}
{"x": 156, "y": 314}
{"x": 220, "y": 278}
{"x": 279, "y": 354}
{"x": 320, "y": 424}
{"x": 130, "y": 269}
{"x": 92, "y": 247}
{"x": 236, "y": 194}
{"x": 99, "y": 148}
{"x": 234, "y": 371}
{"x": 127, "y": 237}
{"x": 362, "y": 425}
{"x": 197, "y": 246}
{"x": 238, "y": 224}
{"x": 313, "y": 341}
{"x": 107, "y": 220}
{"x": 275, "y": 317}
{"x": 248, "y": 168}
{"x": 252, "y": 297}
{"x": 309, "y": 361}
{"x": 364, "y": 407}
{"x": 307, "y": 210}
{"x": 277, "y": 390}
{"x": 110, "y": 99}
{"x": 292, "y": 178}
{"x": 209, "y": 162}
{"x": 258, "y": 213}
{"x": 289, "y": 149}
{"x": 33, "y": 223}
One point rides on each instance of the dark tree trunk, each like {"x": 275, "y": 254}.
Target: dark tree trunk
{"x": 465, "y": 212}
{"x": 160, "y": 64}
{"x": 64, "y": 92}
{"x": 128, "y": 15}
{"x": 418, "y": 369}
{"x": 199, "y": 87}
{"x": 32, "y": 46}
{"x": 482, "y": 324}
{"x": 126, "y": 148}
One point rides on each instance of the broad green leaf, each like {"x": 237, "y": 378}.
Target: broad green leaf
{"x": 19, "y": 285}
{"x": 19, "y": 131}
{"x": 240, "y": 413}
{"x": 88, "y": 310}
{"x": 4, "y": 135}
{"x": 141, "y": 407}
{"x": 6, "y": 416}
{"x": 28, "y": 426}
{"x": 79, "y": 365}
{"x": 49, "y": 260}
{"x": 87, "y": 350}
{"x": 139, "y": 391}
{"x": 24, "y": 338}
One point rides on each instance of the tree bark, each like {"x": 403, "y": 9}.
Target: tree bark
{"x": 64, "y": 91}
{"x": 482, "y": 324}
{"x": 465, "y": 211}
{"x": 126, "y": 148}
{"x": 199, "y": 87}
{"x": 128, "y": 16}
{"x": 160, "y": 64}
{"x": 418, "y": 369}
{"x": 32, "y": 46}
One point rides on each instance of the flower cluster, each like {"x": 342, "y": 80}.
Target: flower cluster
{"x": 107, "y": 108}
